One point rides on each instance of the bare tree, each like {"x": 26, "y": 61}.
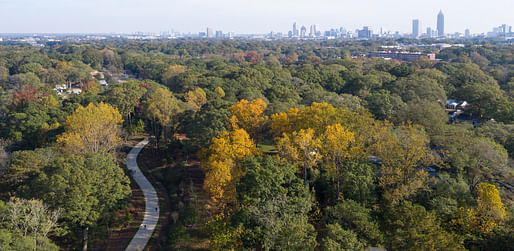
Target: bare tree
{"x": 32, "y": 217}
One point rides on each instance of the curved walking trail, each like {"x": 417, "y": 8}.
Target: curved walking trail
{"x": 151, "y": 218}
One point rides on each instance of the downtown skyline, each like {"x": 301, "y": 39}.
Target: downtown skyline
{"x": 243, "y": 17}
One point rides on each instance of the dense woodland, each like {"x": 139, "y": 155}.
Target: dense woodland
{"x": 302, "y": 146}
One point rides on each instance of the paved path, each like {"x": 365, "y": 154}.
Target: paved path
{"x": 151, "y": 201}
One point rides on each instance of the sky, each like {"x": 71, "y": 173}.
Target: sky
{"x": 246, "y": 16}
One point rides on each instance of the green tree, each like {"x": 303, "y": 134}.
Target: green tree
{"x": 209, "y": 122}
{"x": 164, "y": 108}
{"x": 85, "y": 187}
{"x": 350, "y": 215}
{"x": 431, "y": 115}
{"x": 384, "y": 105}
{"x": 481, "y": 98}
{"x": 27, "y": 224}
{"x": 411, "y": 227}
{"x": 273, "y": 207}
{"x": 338, "y": 239}
{"x": 125, "y": 97}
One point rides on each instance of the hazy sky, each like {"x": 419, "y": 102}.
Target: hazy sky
{"x": 246, "y": 16}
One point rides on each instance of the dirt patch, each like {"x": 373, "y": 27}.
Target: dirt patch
{"x": 119, "y": 239}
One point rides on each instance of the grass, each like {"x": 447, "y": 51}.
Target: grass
{"x": 267, "y": 148}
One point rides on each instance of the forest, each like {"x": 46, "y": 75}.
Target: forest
{"x": 258, "y": 145}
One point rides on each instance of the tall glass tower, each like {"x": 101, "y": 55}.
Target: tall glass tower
{"x": 440, "y": 24}
{"x": 416, "y": 28}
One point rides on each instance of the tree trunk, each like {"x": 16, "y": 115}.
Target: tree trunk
{"x": 35, "y": 240}
{"x": 165, "y": 130}
{"x": 84, "y": 238}
{"x": 154, "y": 127}
{"x": 304, "y": 176}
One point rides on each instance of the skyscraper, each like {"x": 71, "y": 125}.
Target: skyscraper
{"x": 440, "y": 24}
{"x": 209, "y": 32}
{"x": 467, "y": 33}
{"x": 303, "y": 32}
{"x": 366, "y": 32}
{"x": 416, "y": 28}
{"x": 295, "y": 30}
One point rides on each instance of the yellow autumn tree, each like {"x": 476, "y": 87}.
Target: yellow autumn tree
{"x": 301, "y": 148}
{"x": 283, "y": 122}
{"x": 489, "y": 213}
{"x": 404, "y": 154}
{"x": 490, "y": 208}
{"x": 220, "y": 93}
{"x": 94, "y": 128}
{"x": 318, "y": 116}
{"x": 337, "y": 145}
{"x": 196, "y": 98}
{"x": 248, "y": 116}
{"x": 221, "y": 169}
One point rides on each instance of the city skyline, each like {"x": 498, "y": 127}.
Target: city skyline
{"x": 116, "y": 16}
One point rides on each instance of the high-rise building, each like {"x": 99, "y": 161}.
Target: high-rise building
{"x": 303, "y": 32}
{"x": 311, "y": 32}
{"x": 219, "y": 34}
{"x": 467, "y": 33}
{"x": 440, "y": 24}
{"x": 416, "y": 28}
{"x": 429, "y": 32}
{"x": 295, "y": 30}
{"x": 366, "y": 32}
{"x": 209, "y": 32}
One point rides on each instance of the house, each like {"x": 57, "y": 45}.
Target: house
{"x": 60, "y": 89}
{"x": 63, "y": 90}
{"x": 454, "y": 104}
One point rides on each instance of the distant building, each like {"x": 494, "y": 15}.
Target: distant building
{"x": 366, "y": 32}
{"x": 440, "y": 24}
{"x": 295, "y": 30}
{"x": 401, "y": 55}
{"x": 303, "y": 32}
{"x": 219, "y": 34}
{"x": 467, "y": 33}
{"x": 209, "y": 32}
{"x": 429, "y": 32}
{"x": 416, "y": 28}
{"x": 500, "y": 31}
